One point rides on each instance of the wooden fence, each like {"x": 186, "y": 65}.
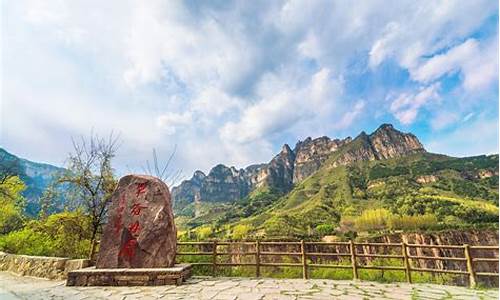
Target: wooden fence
{"x": 352, "y": 254}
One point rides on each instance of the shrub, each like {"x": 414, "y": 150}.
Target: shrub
{"x": 325, "y": 229}
{"x": 412, "y": 222}
{"x": 372, "y": 220}
{"x": 203, "y": 232}
{"x": 65, "y": 234}
{"x": 240, "y": 231}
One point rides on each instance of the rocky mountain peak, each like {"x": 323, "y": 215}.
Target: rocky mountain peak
{"x": 286, "y": 149}
{"x": 385, "y": 126}
{"x": 289, "y": 166}
{"x": 310, "y": 154}
{"x": 389, "y": 142}
{"x": 198, "y": 175}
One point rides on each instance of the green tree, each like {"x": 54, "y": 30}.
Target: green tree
{"x": 65, "y": 234}
{"x": 11, "y": 204}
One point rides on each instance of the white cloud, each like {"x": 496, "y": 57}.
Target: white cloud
{"x": 226, "y": 81}
{"x": 478, "y": 64}
{"x": 380, "y": 50}
{"x": 406, "y": 106}
{"x": 199, "y": 50}
{"x": 213, "y": 102}
{"x": 350, "y": 116}
{"x": 482, "y": 70}
{"x": 468, "y": 117}
{"x": 448, "y": 62}
{"x": 466, "y": 140}
{"x": 284, "y": 103}
{"x": 170, "y": 122}
{"x": 408, "y": 39}
{"x": 443, "y": 119}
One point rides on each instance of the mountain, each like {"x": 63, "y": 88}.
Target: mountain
{"x": 327, "y": 183}
{"x": 36, "y": 176}
{"x": 458, "y": 191}
{"x": 290, "y": 167}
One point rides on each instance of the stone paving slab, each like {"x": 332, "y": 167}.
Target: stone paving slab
{"x": 13, "y": 287}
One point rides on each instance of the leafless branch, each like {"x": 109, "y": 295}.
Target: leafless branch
{"x": 162, "y": 172}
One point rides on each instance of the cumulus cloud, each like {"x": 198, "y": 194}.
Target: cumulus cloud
{"x": 284, "y": 103}
{"x": 450, "y": 61}
{"x": 229, "y": 81}
{"x": 170, "y": 122}
{"x": 477, "y": 64}
{"x": 406, "y": 106}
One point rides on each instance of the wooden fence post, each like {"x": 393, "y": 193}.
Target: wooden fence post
{"x": 404, "y": 249}
{"x": 353, "y": 260}
{"x": 470, "y": 266}
{"x": 257, "y": 258}
{"x": 214, "y": 258}
{"x": 304, "y": 259}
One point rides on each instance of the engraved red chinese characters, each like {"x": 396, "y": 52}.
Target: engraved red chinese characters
{"x": 141, "y": 232}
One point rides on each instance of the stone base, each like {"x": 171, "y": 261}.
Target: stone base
{"x": 129, "y": 277}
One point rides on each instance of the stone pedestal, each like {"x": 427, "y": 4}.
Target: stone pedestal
{"x": 130, "y": 277}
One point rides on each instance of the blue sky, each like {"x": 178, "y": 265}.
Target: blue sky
{"x": 231, "y": 81}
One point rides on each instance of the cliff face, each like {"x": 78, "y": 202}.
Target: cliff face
{"x": 226, "y": 184}
{"x": 311, "y": 154}
{"x": 289, "y": 167}
{"x": 386, "y": 142}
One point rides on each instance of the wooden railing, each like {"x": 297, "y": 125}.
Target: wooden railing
{"x": 406, "y": 257}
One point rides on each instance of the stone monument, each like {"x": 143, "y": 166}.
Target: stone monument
{"x": 140, "y": 232}
{"x": 138, "y": 243}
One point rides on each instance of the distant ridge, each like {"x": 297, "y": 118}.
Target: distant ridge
{"x": 289, "y": 167}
{"x": 36, "y": 176}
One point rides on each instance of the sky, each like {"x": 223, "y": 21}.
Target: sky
{"x": 232, "y": 81}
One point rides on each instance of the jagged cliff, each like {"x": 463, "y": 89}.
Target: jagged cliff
{"x": 386, "y": 142}
{"x": 311, "y": 154}
{"x": 289, "y": 167}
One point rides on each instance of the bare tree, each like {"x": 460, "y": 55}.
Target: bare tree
{"x": 163, "y": 172}
{"x": 92, "y": 179}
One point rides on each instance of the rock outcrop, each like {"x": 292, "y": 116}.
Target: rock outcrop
{"x": 311, "y": 154}
{"x": 224, "y": 184}
{"x": 227, "y": 184}
{"x": 141, "y": 232}
{"x": 386, "y": 142}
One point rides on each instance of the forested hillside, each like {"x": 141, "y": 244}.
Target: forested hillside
{"x": 415, "y": 192}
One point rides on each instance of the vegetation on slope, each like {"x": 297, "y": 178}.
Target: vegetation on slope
{"x": 420, "y": 191}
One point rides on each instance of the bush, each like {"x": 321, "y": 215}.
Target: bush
{"x": 325, "y": 229}
{"x": 382, "y": 219}
{"x": 372, "y": 220}
{"x": 240, "y": 231}
{"x": 412, "y": 222}
{"x": 65, "y": 234}
{"x": 203, "y": 232}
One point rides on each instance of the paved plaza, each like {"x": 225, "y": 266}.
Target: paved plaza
{"x": 15, "y": 287}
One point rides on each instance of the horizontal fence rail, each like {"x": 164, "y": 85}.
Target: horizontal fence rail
{"x": 350, "y": 252}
